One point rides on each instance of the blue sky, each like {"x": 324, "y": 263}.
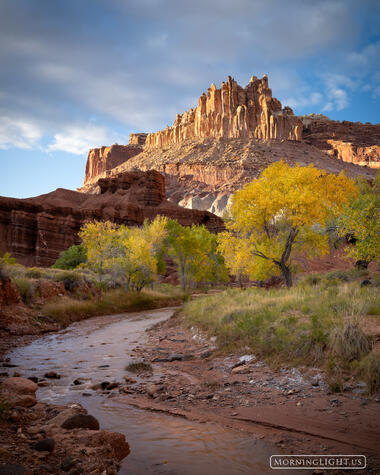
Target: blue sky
{"x": 77, "y": 74}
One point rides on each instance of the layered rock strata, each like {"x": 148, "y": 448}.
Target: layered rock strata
{"x": 351, "y": 142}
{"x": 203, "y": 173}
{"x": 233, "y": 112}
{"x": 36, "y": 230}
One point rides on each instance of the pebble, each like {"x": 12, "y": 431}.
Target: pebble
{"x": 81, "y": 421}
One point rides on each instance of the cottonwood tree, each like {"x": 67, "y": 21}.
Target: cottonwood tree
{"x": 281, "y": 213}
{"x": 97, "y": 238}
{"x": 194, "y": 251}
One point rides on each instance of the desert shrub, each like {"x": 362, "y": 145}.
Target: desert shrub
{"x": 71, "y": 258}
{"x": 26, "y": 289}
{"x": 7, "y": 259}
{"x": 33, "y": 273}
{"x": 349, "y": 342}
{"x": 70, "y": 280}
{"x": 369, "y": 370}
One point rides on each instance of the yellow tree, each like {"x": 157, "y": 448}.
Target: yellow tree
{"x": 97, "y": 238}
{"x": 282, "y": 212}
{"x": 135, "y": 252}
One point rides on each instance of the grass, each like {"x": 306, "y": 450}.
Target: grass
{"x": 304, "y": 325}
{"x": 369, "y": 370}
{"x": 66, "y": 310}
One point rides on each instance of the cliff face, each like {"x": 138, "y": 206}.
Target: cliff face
{"x": 232, "y": 135}
{"x": 352, "y": 142}
{"x": 101, "y": 159}
{"x": 203, "y": 173}
{"x": 233, "y": 112}
{"x": 36, "y": 230}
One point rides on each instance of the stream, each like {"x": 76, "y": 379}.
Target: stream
{"x": 99, "y": 349}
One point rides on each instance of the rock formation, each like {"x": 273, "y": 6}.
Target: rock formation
{"x": 36, "y": 230}
{"x": 233, "y": 112}
{"x": 137, "y": 139}
{"x": 101, "y": 159}
{"x": 203, "y": 173}
{"x": 352, "y": 142}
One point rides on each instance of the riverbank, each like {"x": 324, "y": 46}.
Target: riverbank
{"x": 38, "y": 438}
{"x": 292, "y": 407}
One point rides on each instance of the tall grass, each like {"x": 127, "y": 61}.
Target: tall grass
{"x": 305, "y": 324}
{"x": 66, "y": 310}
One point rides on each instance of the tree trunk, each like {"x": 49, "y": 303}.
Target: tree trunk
{"x": 286, "y": 272}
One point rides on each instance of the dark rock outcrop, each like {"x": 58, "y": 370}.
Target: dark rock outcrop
{"x": 36, "y": 230}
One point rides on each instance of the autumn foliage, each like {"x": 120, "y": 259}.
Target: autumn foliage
{"x": 280, "y": 214}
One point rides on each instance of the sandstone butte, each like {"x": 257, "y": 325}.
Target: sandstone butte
{"x": 36, "y": 230}
{"x": 229, "y": 138}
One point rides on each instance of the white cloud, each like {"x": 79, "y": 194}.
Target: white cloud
{"x": 78, "y": 139}
{"x": 304, "y": 101}
{"x": 18, "y": 133}
{"x": 337, "y": 86}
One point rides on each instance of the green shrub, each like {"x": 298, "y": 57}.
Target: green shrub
{"x": 7, "y": 259}
{"x": 71, "y": 258}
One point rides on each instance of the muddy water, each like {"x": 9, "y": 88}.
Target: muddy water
{"x": 98, "y": 349}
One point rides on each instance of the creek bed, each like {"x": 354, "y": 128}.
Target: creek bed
{"x": 99, "y": 349}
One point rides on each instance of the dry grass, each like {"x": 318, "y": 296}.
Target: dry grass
{"x": 369, "y": 370}
{"x": 66, "y": 310}
{"x": 304, "y": 325}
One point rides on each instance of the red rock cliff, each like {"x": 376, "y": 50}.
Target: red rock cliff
{"x": 36, "y": 230}
{"x": 233, "y": 112}
{"x": 101, "y": 159}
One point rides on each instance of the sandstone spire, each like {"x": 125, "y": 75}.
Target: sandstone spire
{"x": 233, "y": 112}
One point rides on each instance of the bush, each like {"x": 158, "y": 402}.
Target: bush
{"x": 26, "y": 289}
{"x": 369, "y": 370}
{"x": 71, "y": 258}
{"x": 350, "y": 343}
{"x": 70, "y": 280}
{"x": 8, "y": 259}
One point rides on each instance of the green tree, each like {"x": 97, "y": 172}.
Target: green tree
{"x": 282, "y": 212}
{"x": 71, "y": 258}
{"x": 194, "y": 251}
{"x": 361, "y": 219}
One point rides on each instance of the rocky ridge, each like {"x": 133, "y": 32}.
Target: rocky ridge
{"x": 203, "y": 173}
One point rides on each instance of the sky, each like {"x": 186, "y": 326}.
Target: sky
{"x": 78, "y": 74}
